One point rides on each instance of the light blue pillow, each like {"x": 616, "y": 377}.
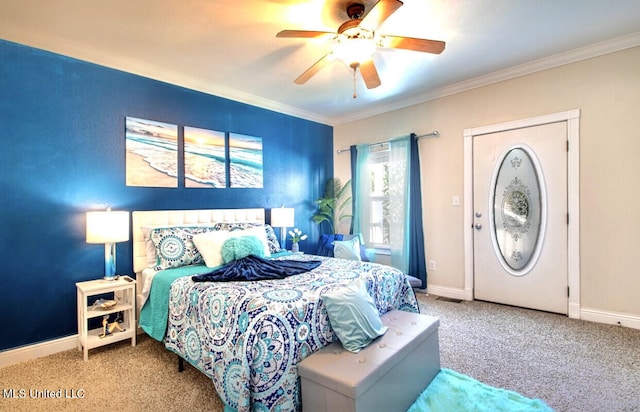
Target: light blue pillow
{"x": 353, "y": 316}
{"x": 239, "y": 247}
{"x": 347, "y": 249}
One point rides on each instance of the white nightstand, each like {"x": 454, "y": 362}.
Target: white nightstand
{"x": 123, "y": 291}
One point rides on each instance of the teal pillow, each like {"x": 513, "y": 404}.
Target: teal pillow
{"x": 353, "y": 315}
{"x": 239, "y": 247}
{"x": 347, "y": 249}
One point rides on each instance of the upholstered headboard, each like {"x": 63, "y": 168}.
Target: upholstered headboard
{"x": 141, "y": 219}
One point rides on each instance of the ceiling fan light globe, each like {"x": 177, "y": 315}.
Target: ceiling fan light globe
{"x": 354, "y": 50}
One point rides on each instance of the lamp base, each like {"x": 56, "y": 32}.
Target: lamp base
{"x": 283, "y": 238}
{"x": 110, "y": 261}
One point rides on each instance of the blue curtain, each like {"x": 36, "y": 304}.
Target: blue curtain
{"x": 353, "y": 150}
{"x": 417, "y": 261}
{"x": 361, "y": 184}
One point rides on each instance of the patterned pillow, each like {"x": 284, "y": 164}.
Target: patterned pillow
{"x": 175, "y": 247}
{"x": 272, "y": 239}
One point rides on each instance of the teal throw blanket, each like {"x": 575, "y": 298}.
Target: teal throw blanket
{"x": 453, "y": 391}
{"x": 155, "y": 312}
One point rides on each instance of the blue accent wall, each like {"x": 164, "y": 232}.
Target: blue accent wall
{"x": 63, "y": 153}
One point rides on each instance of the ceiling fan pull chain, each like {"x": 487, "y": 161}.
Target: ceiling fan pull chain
{"x": 354, "y": 66}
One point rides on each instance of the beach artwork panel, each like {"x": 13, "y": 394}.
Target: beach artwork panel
{"x": 151, "y": 153}
{"x": 245, "y": 161}
{"x": 204, "y": 158}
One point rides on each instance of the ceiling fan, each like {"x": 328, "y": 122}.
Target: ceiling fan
{"x": 357, "y": 40}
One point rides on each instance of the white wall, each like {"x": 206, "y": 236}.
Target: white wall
{"x": 607, "y": 91}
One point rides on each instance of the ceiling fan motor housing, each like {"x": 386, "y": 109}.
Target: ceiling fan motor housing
{"x": 355, "y": 11}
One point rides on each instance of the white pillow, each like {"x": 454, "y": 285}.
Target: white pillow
{"x": 209, "y": 245}
{"x": 347, "y": 249}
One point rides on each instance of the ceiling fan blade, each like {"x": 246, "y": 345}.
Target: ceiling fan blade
{"x": 315, "y": 68}
{"x": 370, "y": 74}
{"x": 411, "y": 43}
{"x": 379, "y": 13}
{"x": 306, "y": 34}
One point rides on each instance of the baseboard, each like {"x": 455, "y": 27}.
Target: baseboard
{"x": 591, "y": 315}
{"x": 38, "y": 350}
{"x": 611, "y": 318}
{"x": 447, "y": 292}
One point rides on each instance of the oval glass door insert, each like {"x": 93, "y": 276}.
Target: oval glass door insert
{"x": 518, "y": 211}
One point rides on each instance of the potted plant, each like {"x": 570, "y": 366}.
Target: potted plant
{"x": 335, "y": 204}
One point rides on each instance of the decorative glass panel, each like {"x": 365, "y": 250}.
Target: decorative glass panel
{"x": 517, "y": 211}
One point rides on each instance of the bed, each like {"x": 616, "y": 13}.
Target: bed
{"x": 248, "y": 336}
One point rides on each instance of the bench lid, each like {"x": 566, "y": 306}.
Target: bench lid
{"x": 353, "y": 373}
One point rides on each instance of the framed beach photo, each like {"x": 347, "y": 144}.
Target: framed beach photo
{"x": 204, "y": 158}
{"x": 245, "y": 161}
{"x": 151, "y": 153}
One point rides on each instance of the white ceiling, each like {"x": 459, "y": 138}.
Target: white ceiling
{"x": 228, "y": 47}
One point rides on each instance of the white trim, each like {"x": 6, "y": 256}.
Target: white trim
{"x": 468, "y": 214}
{"x": 545, "y": 63}
{"x": 610, "y": 318}
{"x": 94, "y": 55}
{"x": 589, "y": 315}
{"x": 447, "y": 292}
{"x": 38, "y": 350}
{"x": 572, "y": 117}
{"x": 104, "y": 58}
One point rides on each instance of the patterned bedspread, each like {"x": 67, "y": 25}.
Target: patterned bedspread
{"x": 249, "y": 336}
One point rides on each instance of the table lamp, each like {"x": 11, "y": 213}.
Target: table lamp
{"x": 108, "y": 227}
{"x": 282, "y": 217}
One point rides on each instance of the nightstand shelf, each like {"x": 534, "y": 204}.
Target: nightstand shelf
{"x": 123, "y": 291}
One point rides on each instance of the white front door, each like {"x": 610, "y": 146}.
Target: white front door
{"x": 520, "y": 217}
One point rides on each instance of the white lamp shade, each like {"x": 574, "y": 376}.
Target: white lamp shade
{"x": 107, "y": 227}
{"x": 282, "y": 217}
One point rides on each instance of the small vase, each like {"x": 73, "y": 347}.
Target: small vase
{"x": 294, "y": 247}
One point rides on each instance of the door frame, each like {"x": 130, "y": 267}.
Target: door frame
{"x": 572, "y": 117}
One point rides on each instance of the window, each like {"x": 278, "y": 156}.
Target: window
{"x": 378, "y": 197}
{"x": 382, "y": 198}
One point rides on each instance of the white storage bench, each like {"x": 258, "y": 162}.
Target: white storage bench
{"x": 388, "y": 375}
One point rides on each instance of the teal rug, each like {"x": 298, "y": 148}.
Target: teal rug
{"x": 453, "y": 391}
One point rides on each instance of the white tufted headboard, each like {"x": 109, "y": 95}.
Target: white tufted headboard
{"x": 141, "y": 219}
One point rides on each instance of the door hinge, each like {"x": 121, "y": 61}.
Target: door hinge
{"x": 567, "y": 218}
{"x": 568, "y": 292}
{"x": 567, "y": 145}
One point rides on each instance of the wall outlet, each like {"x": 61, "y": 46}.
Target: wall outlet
{"x": 432, "y": 265}
{"x": 455, "y": 200}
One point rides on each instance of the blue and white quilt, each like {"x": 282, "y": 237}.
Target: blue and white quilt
{"x": 249, "y": 336}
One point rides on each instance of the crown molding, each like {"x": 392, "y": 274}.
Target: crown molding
{"x": 96, "y": 56}
{"x": 560, "y": 59}
{"x": 78, "y": 51}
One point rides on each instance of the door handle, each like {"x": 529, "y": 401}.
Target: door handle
{"x": 478, "y": 226}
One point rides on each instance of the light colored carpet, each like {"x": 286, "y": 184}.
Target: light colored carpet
{"x": 571, "y": 365}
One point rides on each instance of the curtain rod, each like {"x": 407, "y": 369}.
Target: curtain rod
{"x": 435, "y": 133}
